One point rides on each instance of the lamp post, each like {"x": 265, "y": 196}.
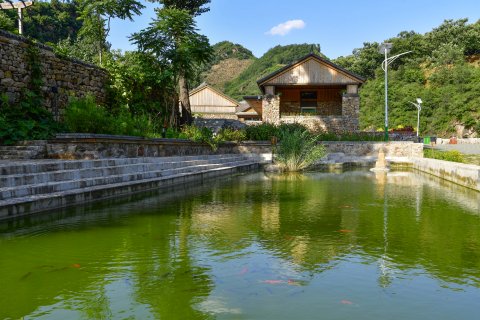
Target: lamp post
{"x": 385, "y": 49}
{"x": 419, "y": 108}
{"x": 19, "y": 5}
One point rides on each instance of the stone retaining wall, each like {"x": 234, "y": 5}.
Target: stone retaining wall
{"x": 69, "y": 77}
{"x": 466, "y": 175}
{"x": 98, "y": 146}
{"x": 392, "y": 149}
{"x": 77, "y": 146}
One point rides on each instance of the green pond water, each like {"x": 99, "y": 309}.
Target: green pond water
{"x": 351, "y": 245}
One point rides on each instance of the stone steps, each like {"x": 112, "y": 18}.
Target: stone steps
{"x": 35, "y": 186}
{"x": 86, "y": 173}
{"x": 41, "y": 166}
{"x": 52, "y": 187}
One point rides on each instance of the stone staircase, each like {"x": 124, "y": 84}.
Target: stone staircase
{"x": 24, "y": 150}
{"x": 32, "y": 186}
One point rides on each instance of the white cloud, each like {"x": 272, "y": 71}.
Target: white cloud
{"x": 285, "y": 28}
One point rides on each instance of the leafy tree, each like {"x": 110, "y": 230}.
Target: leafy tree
{"x": 364, "y": 61}
{"x": 142, "y": 83}
{"x": 6, "y": 23}
{"x": 97, "y": 14}
{"x": 173, "y": 39}
{"x": 457, "y": 32}
{"x": 48, "y": 22}
{"x": 194, "y": 7}
{"x": 82, "y": 48}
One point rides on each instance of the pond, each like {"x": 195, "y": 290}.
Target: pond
{"x": 350, "y": 245}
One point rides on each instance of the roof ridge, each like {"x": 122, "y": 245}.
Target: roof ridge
{"x": 310, "y": 55}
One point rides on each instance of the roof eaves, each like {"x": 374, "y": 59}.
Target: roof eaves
{"x": 279, "y": 71}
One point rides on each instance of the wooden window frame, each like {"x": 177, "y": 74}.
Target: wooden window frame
{"x": 310, "y": 100}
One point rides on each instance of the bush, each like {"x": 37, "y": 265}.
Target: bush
{"x": 351, "y": 136}
{"x": 85, "y": 116}
{"x": 26, "y": 120}
{"x": 290, "y": 128}
{"x": 453, "y": 155}
{"x": 298, "y": 150}
{"x": 231, "y": 135}
{"x": 261, "y": 132}
{"x": 201, "y": 135}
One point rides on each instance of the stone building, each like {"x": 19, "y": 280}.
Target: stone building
{"x": 209, "y": 103}
{"x": 312, "y": 91}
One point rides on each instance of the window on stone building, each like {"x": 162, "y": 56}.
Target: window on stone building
{"x": 308, "y": 101}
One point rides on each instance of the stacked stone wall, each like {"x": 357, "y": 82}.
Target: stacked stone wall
{"x": 348, "y": 121}
{"x": 228, "y": 116}
{"x": 271, "y": 109}
{"x": 61, "y": 77}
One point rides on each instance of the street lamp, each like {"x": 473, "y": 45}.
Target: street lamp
{"x": 385, "y": 49}
{"x": 19, "y": 5}
{"x": 419, "y": 108}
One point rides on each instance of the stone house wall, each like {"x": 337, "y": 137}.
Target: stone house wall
{"x": 228, "y": 116}
{"x": 271, "y": 109}
{"x": 70, "y": 77}
{"x": 347, "y": 122}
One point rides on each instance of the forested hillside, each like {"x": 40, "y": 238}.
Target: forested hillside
{"x": 443, "y": 70}
{"x": 275, "y": 58}
{"x": 229, "y": 61}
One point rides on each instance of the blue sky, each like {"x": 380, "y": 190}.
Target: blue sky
{"x": 338, "y": 26}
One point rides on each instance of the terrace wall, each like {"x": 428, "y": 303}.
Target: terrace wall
{"x": 69, "y": 77}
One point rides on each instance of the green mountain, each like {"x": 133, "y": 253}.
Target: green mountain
{"x": 272, "y": 60}
{"x": 442, "y": 69}
{"x": 227, "y": 50}
{"x": 229, "y": 61}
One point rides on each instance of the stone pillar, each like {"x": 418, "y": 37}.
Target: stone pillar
{"x": 351, "y": 112}
{"x": 271, "y": 109}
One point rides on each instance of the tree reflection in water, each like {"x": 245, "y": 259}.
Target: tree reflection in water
{"x": 229, "y": 248}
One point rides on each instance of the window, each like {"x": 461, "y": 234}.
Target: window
{"x": 308, "y": 101}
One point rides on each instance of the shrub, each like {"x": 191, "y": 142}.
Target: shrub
{"x": 171, "y": 133}
{"x": 298, "y": 150}
{"x": 197, "y": 134}
{"x": 452, "y": 155}
{"x": 85, "y": 116}
{"x": 351, "y": 136}
{"x": 25, "y": 120}
{"x": 290, "y": 128}
{"x": 261, "y": 132}
{"x": 230, "y": 135}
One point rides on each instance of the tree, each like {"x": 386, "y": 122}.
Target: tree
{"x": 47, "y": 22}
{"x": 6, "y": 23}
{"x": 194, "y": 7}
{"x": 173, "y": 39}
{"x": 97, "y": 15}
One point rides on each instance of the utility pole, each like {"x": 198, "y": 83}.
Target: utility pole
{"x": 419, "y": 108}
{"x": 19, "y": 5}
{"x": 385, "y": 49}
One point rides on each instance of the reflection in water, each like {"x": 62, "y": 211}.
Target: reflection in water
{"x": 351, "y": 245}
{"x": 385, "y": 278}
